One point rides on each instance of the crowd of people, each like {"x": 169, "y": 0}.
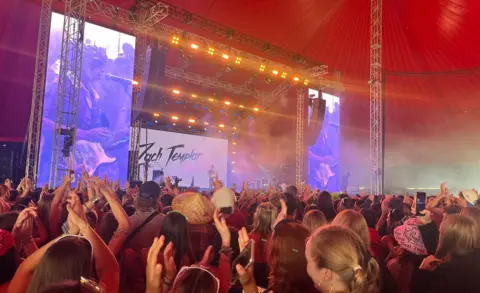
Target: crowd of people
{"x": 149, "y": 238}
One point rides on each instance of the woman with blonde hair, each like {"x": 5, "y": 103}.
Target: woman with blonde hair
{"x": 456, "y": 264}
{"x": 314, "y": 219}
{"x": 263, "y": 224}
{"x": 474, "y": 214}
{"x": 339, "y": 261}
{"x": 355, "y": 221}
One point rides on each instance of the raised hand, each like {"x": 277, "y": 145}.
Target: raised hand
{"x": 443, "y": 188}
{"x": 222, "y": 228}
{"x": 8, "y": 183}
{"x": 154, "y": 269}
{"x": 169, "y": 261}
{"x": 243, "y": 239}
{"x": 23, "y": 227}
{"x": 207, "y": 257}
{"x": 246, "y": 279}
{"x": 77, "y": 221}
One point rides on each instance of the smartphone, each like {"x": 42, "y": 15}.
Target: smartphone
{"x": 421, "y": 201}
{"x": 226, "y": 210}
{"x": 246, "y": 259}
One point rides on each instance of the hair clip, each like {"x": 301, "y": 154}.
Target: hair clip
{"x": 263, "y": 240}
{"x": 294, "y": 250}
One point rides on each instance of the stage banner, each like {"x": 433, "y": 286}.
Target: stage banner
{"x": 194, "y": 159}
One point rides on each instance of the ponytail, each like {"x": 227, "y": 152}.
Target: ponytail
{"x": 365, "y": 280}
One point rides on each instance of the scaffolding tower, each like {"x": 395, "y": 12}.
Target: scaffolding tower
{"x": 376, "y": 117}
{"x": 299, "y": 137}
{"x": 69, "y": 84}
{"x": 38, "y": 91}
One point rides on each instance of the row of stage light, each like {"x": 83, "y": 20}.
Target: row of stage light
{"x": 192, "y": 121}
{"x": 212, "y": 100}
{"x": 195, "y": 97}
{"x": 175, "y": 40}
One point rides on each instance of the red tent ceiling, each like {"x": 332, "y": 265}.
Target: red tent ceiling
{"x": 427, "y": 35}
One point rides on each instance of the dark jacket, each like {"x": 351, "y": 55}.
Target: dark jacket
{"x": 458, "y": 275}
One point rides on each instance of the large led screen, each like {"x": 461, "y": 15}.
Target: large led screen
{"x": 192, "y": 158}
{"x": 324, "y": 155}
{"x": 104, "y": 111}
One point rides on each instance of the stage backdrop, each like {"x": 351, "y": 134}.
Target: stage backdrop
{"x": 324, "y": 155}
{"x": 104, "y": 111}
{"x": 186, "y": 156}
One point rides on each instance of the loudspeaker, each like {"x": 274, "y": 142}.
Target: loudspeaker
{"x": 314, "y": 128}
{"x": 152, "y": 80}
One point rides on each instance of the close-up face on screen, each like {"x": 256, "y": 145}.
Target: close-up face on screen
{"x": 104, "y": 106}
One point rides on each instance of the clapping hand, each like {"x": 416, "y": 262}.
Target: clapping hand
{"x": 23, "y": 227}
{"x": 77, "y": 221}
{"x": 169, "y": 260}
{"x": 154, "y": 269}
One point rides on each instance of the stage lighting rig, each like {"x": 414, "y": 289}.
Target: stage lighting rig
{"x": 175, "y": 40}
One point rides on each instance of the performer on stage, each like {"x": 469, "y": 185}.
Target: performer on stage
{"x": 322, "y": 165}
{"x": 212, "y": 176}
{"x": 97, "y": 146}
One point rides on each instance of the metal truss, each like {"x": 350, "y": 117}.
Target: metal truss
{"x": 142, "y": 20}
{"x": 277, "y": 93}
{"x": 167, "y": 30}
{"x": 38, "y": 91}
{"x": 299, "y": 137}
{"x": 69, "y": 84}
{"x": 181, "y": 15}
{"x": 139, "y": 66}
{"x": 376, "y": 117}
{"x": 211, "y": 82}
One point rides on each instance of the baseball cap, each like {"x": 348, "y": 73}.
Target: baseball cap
{"x": 150, "y": 189}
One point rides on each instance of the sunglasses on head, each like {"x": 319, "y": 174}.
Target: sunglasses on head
{"x": 198, "y": 267}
